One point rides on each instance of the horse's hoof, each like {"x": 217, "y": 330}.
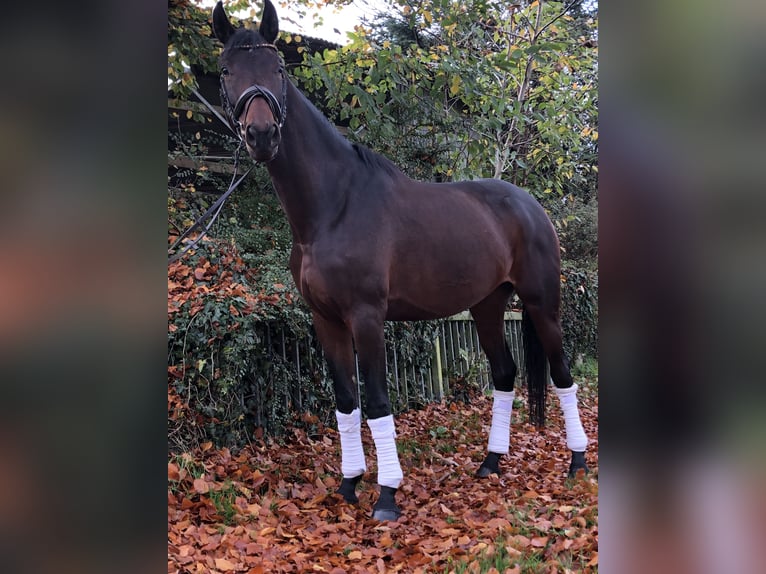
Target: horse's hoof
{"x": 386, "y": 508}
{"x": 489, "y": 466}
{"x": 578, "y": 463}
{"x": 385, "y": 514}
{"x": 484, "y": 472}
{"x": 573, "y": 470}
{"x": 347, "y": 489}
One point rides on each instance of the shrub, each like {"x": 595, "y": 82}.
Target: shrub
{"x": 579, "y": 311}
{"x": 231, "y": 373}
{"x": 579, "y": 234}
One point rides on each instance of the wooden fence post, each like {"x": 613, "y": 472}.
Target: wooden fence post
{"x": 437, "y": 367}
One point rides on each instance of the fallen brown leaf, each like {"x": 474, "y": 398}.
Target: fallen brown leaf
{"x": 284, "y": 517}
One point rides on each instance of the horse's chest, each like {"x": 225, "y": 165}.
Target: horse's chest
{"x": 315, "y": 281}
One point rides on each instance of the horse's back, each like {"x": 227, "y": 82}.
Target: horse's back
{"x": 484, "y": 205}
{"x": 504, "y": 199}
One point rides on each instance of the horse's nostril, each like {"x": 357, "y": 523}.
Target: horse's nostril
{"x": 257, "y": 137}
{"x": 274, "y": 133}
{"x": 252, "y": 134}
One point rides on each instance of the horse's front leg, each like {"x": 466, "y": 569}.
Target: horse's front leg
{"x": 367, "y": 327}
{"x": 336, "y": 342}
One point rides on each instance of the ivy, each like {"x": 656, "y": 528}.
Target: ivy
{"x": 579, "y": 311}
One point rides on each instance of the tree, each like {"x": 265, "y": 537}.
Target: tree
{"x": 189, "y": 44}
{"x": 481, "y": 88}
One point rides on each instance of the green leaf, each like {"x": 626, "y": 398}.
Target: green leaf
{"x": 454, "y": 87}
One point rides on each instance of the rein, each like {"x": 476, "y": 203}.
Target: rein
{"x": 214, "y": 209}
{"x": 279, "y": 111}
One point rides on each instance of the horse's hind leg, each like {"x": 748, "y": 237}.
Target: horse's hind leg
{"x": 542, "y": 303}
{"x": 339, "y": 353}
{"x": 488, "y": 316}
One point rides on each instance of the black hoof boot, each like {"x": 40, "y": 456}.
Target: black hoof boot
{"x": 348, "y": 489}
{"x": 385, "y": 508}
{"x": 578, "y": 462}
{"x": 489, "y": 466}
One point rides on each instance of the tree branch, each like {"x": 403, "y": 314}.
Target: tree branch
{"x": 564, "y": 11}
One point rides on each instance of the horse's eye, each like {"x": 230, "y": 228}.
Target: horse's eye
{"x": 225, "y": 71}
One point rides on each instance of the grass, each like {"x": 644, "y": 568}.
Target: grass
{"x": 587, "y": 369}
{"x": 409, "y": 447}
{"x": 500, "y": 559}
{"x": 585, "y": 374}
{"x": 187, "y": 463}
{"x": 193, "y": 469}
{"x": 223, "y": 500}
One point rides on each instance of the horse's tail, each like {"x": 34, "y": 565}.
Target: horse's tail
{"x": 536, "y": 367}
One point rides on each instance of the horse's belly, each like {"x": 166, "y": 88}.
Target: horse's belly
{"x": 399, "y": 310}
{"x": 445, "y": 281}
{"x": 434, "y": 299}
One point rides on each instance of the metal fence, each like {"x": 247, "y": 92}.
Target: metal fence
{"x": 453, "y": 354}
{"x": 458, "y": 352}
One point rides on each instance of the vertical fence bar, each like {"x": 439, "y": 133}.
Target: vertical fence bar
{"x": 453, "y": 356}
{"x": 481, "y": 359}
{"x": 462, "y": 347}
{"x": 439, "y": 386}
{"x": 415, "y": 380}
{"x": 284, "y": 359}
{"x": 467, "y": 342}
{"x": 445, "y": 374}
{"x": 396, "y": 376}
{"x": 358, "y": 380}
{"x": 298, "y": 369}
{"x": 405, "y": 383}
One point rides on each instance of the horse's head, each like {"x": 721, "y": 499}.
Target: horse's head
{"x": 253, "y": 81}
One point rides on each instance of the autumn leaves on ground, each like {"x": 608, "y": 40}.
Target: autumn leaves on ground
{"x": 271, "y": 507}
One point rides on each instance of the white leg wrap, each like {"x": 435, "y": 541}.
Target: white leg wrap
{"x": 576, "y": 439}
{"x": 384, "y": 435}
{"x": 352, "y": 454}
{"x": 500, "y": 431}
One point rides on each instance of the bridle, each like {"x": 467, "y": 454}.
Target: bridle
{"x": 278, "y": 109}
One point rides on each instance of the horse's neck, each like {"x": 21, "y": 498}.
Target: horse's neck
{"x": 309, "y": 168}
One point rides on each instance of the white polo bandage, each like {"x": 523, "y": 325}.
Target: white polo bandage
{"x": 500, "y": 431}
{"x": 352, "y": 453}
{"x": 576, "y": 439}
{"x": 384, "y": 435}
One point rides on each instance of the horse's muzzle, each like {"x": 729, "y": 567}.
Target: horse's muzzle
{"x": 262, "y": 145}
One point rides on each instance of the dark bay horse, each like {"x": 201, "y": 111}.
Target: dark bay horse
{"x": 372, "y": 245}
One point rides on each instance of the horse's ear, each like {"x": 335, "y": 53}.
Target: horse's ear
{"x": 269, "y": 23}
{"x": 222, "y": 28}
